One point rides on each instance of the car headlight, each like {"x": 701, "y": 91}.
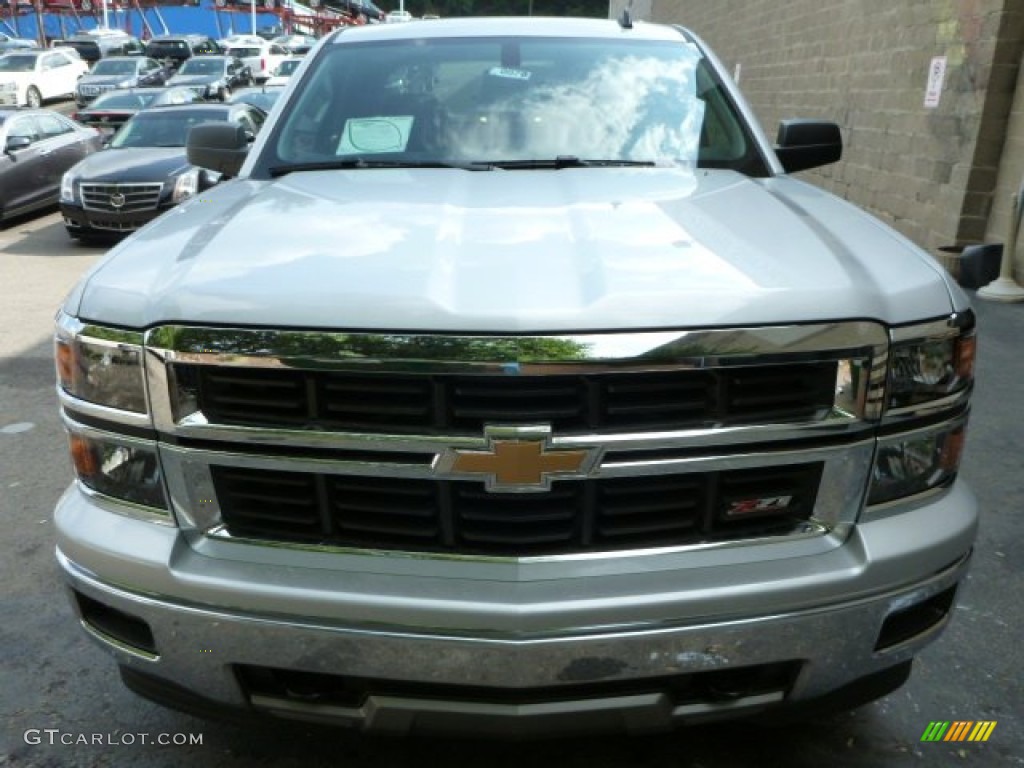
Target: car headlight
{"x": 8, "y": 86}
{"x": 67, "y": 188}
{"x": 912, "y": 463}
{"x": 930, "y": 364}
{"x": 100, "y": 365}
{"x": 931, "y": 374}
{"x": 121, "y": 467}
{"x": 186, "y": 185}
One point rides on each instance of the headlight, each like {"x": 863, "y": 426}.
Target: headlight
{"x": 100, "y": 365}
{"x": 67, "y": 188}
{"x": 120, "y": 467}
{"x": 930, "y": 363}
{"x": 8, "y": 86}
{"x": 912, "y": 463}
{"x": 186, "y": 185}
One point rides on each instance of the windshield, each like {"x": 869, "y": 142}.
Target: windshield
{"x": 163, "y": 48}
{"x": 243, "y": 53}
{"x": 196, "y": 66}
{"x": 110, "y": 67}
{"x": 114, "y": 100}
{"x": 13, "y": 62}
{"x": 510, "y": 100}
{"x": 159, "y": 128}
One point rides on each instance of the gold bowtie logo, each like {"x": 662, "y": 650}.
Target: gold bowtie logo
{"x": 517, "y": 459}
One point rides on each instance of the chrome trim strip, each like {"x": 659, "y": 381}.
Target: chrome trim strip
{"x": 103, "y": 412}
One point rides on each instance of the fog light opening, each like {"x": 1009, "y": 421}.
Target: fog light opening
{"x": 904, "y": 625}
{"x": 116, "y": 626}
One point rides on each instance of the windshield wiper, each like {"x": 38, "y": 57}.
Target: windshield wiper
{"x": 566, "y": 161}
{"x": 362, "y": 163}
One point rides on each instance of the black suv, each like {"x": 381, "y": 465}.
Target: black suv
{"x": 93, "y": 47}
{"x": 174, "y": 49}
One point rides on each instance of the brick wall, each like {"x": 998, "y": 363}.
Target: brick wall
{"x": 930, "y": 172}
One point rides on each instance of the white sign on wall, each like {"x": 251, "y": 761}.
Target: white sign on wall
{"x": 936, "y": 76}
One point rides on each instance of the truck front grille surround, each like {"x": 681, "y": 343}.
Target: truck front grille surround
{"x": 336, "y": 440}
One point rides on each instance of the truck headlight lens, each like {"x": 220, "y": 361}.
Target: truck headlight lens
{"x": 931, "y": 362}
{"x": 67, "y": 188}
{"x": 912, "y": 463}
{"x": 118, "y": 469}
{"x": 186, "y": 185}
{"x": 101, "y": 365}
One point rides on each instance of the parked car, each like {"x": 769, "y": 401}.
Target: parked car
{"x": 113, "y": 109}
{"x": 213, "y": 77}
{"x": 262, "y": 96}
{"x": 233, "y": 40}
{"x": 98, "y": 44}
{"x": 143, "y": 171}
{"x": 8, "y": 43}
{"x": 120, "y": 72}
{"x": 284, "y": 71}
{"x": 398, "y": 16}
{"x": 261, "y": 59}
{"x": 295, "y": 44}
{"x": 39, "y": 145}
{"x": 30, "y": 77}
{"x": 176, "y": 49}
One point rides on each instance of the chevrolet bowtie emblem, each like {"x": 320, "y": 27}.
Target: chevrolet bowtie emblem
{"x": 517, "y": 460}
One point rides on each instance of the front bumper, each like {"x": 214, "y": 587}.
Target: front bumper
{"x": 81, "y": 221}
{"x": 10, "y": 99}
{"x": 436, "y": 648}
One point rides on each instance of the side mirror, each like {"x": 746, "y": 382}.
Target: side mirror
{"x": 217, "y": 146}
{"x": 803, "y": 144}
{"x": 14, "y": 143}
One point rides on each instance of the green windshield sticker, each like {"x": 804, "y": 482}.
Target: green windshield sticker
{"x": 372, "y": 135}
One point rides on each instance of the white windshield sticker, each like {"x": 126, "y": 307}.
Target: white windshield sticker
{"x": 509, "y": 73}
{"x": 371, "y": 135}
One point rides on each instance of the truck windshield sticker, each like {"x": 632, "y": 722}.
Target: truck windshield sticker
{"x": 371, "y": 135}
{"x": 509, "y": 73}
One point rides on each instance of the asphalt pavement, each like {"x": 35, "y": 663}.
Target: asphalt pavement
{"x": 61, "y": 703}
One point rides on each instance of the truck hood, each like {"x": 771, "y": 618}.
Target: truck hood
{"x": 512, "y": 251}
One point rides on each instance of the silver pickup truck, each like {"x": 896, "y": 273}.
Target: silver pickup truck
{"x": 512, "y": 384}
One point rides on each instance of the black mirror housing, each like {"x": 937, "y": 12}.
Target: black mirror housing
{"x": 217, "y": 146}
{"x": 804, "y": 144}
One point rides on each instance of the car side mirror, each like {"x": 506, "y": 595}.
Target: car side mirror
{"x": 804, "y": 144}
{"x": 217, "y": 146}
{"x": 14, "y": 143}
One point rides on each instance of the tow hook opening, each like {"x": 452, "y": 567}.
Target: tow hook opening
{"x": 909, "y": 623}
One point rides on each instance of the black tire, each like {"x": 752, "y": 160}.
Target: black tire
{"x": 33, "y": 98}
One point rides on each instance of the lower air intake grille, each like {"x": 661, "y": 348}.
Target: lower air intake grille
{"x": 461, "y": 517}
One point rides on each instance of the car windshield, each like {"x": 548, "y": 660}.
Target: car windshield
{"x": 287, "y": 67}
{"x": 13, "y": 62}
{"x": 110, "y": 67}
{"x": 518, "y": 101}
{"x": 162, "y": 48}
{"x": 243, "y": 53}
{"x": 263, "y": 98}
{"x": 115, "y": 100}
{"x": 159, "y": 128}
{"x": 196, "y": 66}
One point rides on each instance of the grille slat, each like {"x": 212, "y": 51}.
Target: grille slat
{"x": 450, "y": 404}
{"x": 410, "y": 515}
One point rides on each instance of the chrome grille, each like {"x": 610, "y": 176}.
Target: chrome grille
{"x": 121, "y": 198}
{"x": 461, "y": 517}
{"x": 462, "y": 405}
